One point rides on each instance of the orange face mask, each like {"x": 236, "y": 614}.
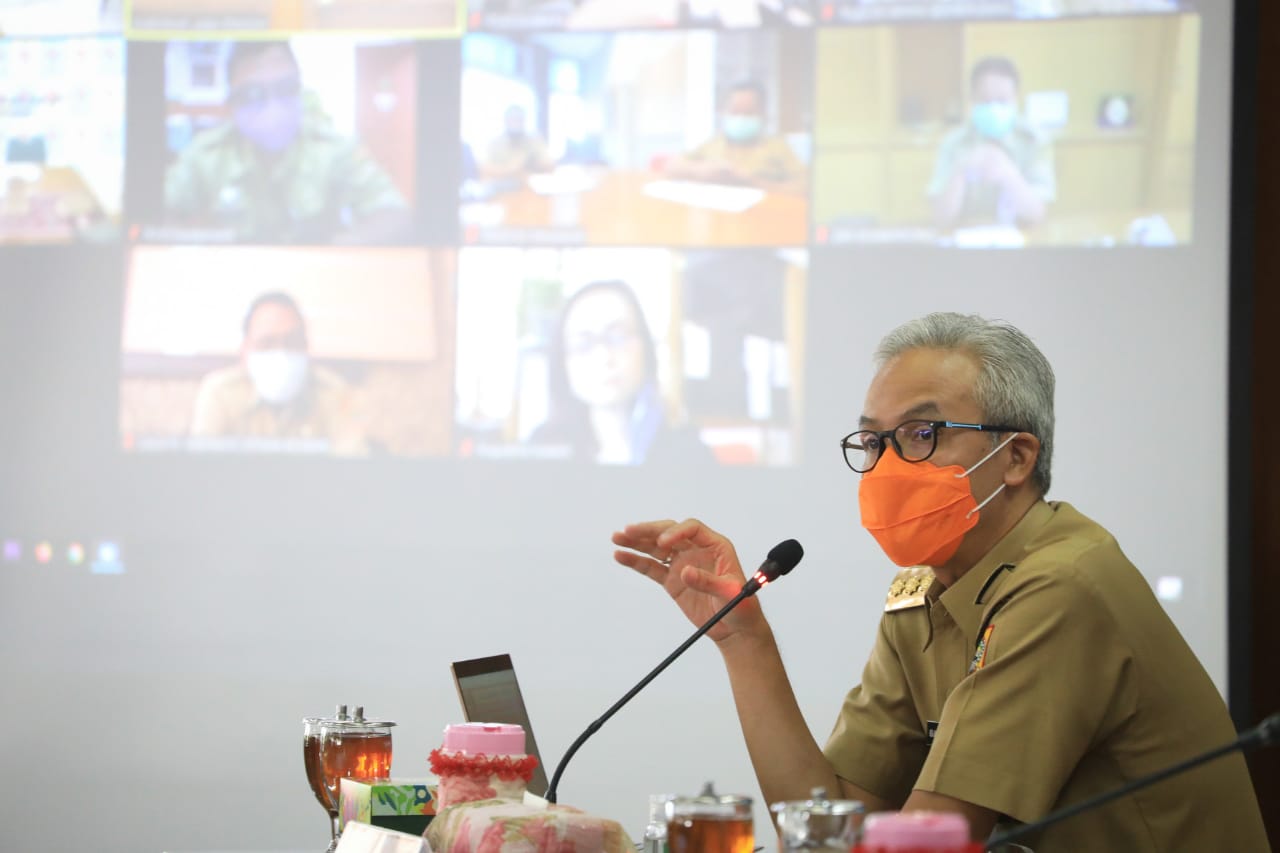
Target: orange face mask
{"x": 917, "y": 511}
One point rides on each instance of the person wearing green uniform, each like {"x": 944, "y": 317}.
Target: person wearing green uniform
{"x": 277, "y": 171}
{"x": 996, "y": 169}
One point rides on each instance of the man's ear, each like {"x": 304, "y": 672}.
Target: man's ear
{"x": 1024, "y": 450}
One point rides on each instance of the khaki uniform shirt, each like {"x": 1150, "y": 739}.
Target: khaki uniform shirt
{"x": 322, "y": 419}
{"x": 1030, "y": 152}
{"x": 1052, "y": 674}
{"x": 320, "y": 186}
{"x": 768, "y": 159}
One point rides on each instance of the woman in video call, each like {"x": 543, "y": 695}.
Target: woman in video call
{"x": 604, "y": 402}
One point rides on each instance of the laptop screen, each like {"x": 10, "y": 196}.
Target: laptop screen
{"x": 490, "y": 693}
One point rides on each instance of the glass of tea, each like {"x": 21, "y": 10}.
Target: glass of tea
{"x": 710, "y": 823}
{"x": 311, "y": 760}
{"x": 353, "y": 748}
{"x": 311, "y": 735}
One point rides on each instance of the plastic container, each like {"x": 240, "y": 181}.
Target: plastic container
{"x": 916, "y": 832}
{"x": 482, "y": 761}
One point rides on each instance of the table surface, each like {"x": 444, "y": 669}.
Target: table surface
{"x": 617, "y": 211}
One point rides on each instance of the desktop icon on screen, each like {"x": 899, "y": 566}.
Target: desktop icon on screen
{"x": 107, "y": 560}
{"x": 75, "y": 553}
{"x": 12, "y": 550}
{"x": 43, "y": 552}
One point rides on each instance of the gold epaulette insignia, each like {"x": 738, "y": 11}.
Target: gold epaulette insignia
{"x": 908, "y": 588}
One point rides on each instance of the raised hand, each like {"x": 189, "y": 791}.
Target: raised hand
{"x": 698, "y": 567}
{"x": 991, "y": 163}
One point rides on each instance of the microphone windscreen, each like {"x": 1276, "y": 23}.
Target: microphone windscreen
{"x": 786, "y": 554}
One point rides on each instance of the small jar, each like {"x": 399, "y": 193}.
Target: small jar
{"x": 482, "y": 761}
{"x": 916, "y": 832}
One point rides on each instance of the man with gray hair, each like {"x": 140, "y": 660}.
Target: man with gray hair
{"x": 1022, "y": 663}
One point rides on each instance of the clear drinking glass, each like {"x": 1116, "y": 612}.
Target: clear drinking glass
{"x": 311, "y": 733}
{"x": 311, "y": 737}
{"x": 655, "y": 831}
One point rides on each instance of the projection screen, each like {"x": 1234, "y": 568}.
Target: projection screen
{"x": 340, "y": 336}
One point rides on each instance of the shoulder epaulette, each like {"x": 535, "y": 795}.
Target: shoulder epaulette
{"x": 908, "y": 588}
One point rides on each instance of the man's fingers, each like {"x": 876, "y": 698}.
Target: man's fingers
{"x": 690, "y": 531}
{"x": 642, "y": 536}
{"x": 711, "y": 584}
{"x": 655, "y": 570}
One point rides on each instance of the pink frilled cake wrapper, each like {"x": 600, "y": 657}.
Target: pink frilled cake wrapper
{"x": 465, "y": 777}
{"x": 481, "y": 761}
{"x": 506, "y": 826}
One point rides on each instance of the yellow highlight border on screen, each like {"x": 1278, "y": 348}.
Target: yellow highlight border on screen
{"x": 132, "y": 34}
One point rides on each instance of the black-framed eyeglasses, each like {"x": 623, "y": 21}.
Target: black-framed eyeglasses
{"x": 914, "y": 440}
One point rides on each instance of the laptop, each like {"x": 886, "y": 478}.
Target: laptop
{"x": 490, "y": 693}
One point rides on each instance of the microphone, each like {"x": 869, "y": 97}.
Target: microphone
{"x": 782, "y": 559}
{"x": 1266, "y": 733}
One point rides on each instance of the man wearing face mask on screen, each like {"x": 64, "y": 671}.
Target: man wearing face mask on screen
{"x": 276, "y": 398}
{"x": 996, "y": 169}
{"x": 1022, "y": 663}
{"x": 277, "y": 171}
{"x": 742, "y": 152}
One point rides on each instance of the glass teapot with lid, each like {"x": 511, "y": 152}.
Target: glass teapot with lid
{"x": 818, "y": 823}
{"x": 710, "y": 823}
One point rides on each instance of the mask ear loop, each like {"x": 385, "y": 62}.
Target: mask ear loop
{"x": 985, "y": 502}
{"x": 993, "y": 452}
{"x": 975, "y": 466}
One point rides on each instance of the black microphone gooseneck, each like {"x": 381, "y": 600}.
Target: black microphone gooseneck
{"x": 1266, "y": 733}
{"x": 782, "y": 559}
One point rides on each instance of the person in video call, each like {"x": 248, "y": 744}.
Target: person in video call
{"x": 1021, "y": 664}
{"x": 518, "y": 152}
{"x": 275, "y": 392}
{"x": 996, "y": 169}
{"x": 604, "y": 401}
{"x": 741, "y": 152}
{"x": 276, "y": 170}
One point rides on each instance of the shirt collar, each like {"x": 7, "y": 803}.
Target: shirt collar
{"x": 970, "y": 596}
